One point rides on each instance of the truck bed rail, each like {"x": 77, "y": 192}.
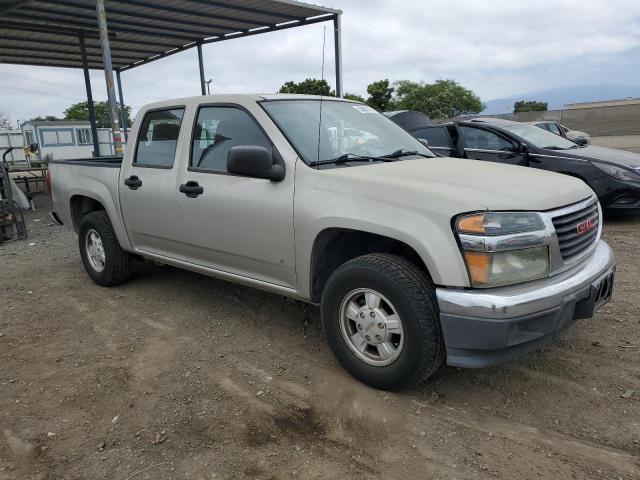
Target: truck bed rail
{"x": 104, "y": 162}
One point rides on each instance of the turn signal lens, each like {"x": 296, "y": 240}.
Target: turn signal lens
{"x": 478, "y": 264}
{"x": 472, "y": 225}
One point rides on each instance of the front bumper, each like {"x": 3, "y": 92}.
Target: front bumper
{"x": 487, "y": 327}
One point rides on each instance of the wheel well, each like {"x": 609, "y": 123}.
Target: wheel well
{"x": 81, "y": 205}
{"x": 335, "y": 246}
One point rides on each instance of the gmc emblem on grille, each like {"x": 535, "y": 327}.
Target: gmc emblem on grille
{"x": 586, "y": 226}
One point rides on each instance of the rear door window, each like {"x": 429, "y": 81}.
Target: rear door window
{"x": 158, "y": 138}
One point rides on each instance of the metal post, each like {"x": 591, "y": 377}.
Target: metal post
{"x": 108, "y": 74}
{"x": 201, "y": 64}
{"x": 87, "y": 85}
{"x": 337, "y": 23}
{"x": 13, "y": 159}
{"x": 123, "y": 114}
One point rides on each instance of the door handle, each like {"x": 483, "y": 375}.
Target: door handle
{"x": 133, "y": 182}
{"x": 191, "y": 189}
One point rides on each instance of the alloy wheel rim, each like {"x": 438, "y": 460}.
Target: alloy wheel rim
{"x": 371, "y": 327}
{"x": 95, "y": 250}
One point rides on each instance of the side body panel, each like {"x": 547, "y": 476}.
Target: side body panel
{"x": 150, "y": 211}
{"x": 96, "y": 182}
{"x": 239, "y": 225}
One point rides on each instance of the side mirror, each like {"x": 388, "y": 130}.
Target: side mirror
{"x": 424, "y": 141}
{"x": 253, "y": 161}
{"x": 524, "y": 149}
{"x": 582, "y": 141}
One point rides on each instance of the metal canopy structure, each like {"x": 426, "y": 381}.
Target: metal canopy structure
{"x": 123, "y": 34}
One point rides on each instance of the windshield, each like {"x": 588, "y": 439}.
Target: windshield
{"x": 540, "y": 138}
{"x": 346, "y": 129}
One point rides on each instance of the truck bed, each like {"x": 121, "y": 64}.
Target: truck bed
{"x": 108, "y": 162}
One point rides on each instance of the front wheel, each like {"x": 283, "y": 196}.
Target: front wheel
{"x": 103, "y": 258}
{"x": 380, "y": 316}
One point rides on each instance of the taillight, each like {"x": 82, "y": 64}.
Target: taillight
{"x": 48, "y": 177}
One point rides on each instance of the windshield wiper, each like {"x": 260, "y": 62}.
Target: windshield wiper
{"x": 405, "y": 153}
{"x": 352, "y": 157}
{"x": 349, "y": 157}
{"x": 553, "y": 147}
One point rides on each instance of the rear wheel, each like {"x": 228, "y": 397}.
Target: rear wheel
{"x": 380, "y": 316}
{"x": 105, "y": 262}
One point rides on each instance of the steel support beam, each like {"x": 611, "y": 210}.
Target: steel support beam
{"x": 55, "y": 30}
{"x": 337, "y": 23}
{"x": 108, "y": 75}
{"x": 87, "y": 84}
{"x": 123, "y": 113}
{"x": 201, "y": 65}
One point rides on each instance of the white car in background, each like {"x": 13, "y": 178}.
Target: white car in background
{"x": 581, "y": 138}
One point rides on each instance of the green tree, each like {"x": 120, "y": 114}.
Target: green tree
{"x": 311, "y": 86}
{"x": 380, "y": 95}
{"x": 353, "y": 96}
{"x": 80, "y": 111}
{"x": 442, "y": 99}
{"x": 531, "y": 106}
{"x": 47, "y": 118}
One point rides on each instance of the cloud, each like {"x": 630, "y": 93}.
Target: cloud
{"x": 497, "y": 48}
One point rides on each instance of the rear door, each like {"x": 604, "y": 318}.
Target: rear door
{"x": 483, "y": 144}
{"x": 235, "y": 224}
{"x": 438, "y": 138}
{"x": 148, "y": 184}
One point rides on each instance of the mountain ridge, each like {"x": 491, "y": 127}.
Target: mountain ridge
{"x": 557, "y": 97}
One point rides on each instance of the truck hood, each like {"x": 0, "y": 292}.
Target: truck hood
{"x": 470, "y": 184}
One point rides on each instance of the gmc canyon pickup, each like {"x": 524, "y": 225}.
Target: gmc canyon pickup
{"x": 414, "y": 259}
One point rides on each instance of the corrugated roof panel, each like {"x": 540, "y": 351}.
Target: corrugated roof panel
{"x": 139, "y": 29}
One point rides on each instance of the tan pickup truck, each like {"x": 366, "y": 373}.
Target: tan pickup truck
{"x": 414, "y": 259}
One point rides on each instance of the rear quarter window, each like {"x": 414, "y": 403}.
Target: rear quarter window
{"x": 158, "y": 138}
{"x": 436, "y": 136}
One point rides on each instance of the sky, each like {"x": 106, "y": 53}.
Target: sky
{"x": 496, "y": 48}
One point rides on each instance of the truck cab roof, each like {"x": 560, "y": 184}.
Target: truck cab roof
{"x": 238, "y": 98}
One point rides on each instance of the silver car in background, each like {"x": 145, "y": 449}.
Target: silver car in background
{"x": 581, "y": 138}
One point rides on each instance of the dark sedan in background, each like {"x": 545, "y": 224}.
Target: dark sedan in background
{"x": 614, "y": 175}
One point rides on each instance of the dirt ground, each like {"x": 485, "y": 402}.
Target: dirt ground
{"x": 179, "y": 376}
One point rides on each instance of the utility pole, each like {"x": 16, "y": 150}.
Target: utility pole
{"x": 108, "y": 75}
{"x": 208, "y": 82}
{"x": 201, "y": 67}
{"x": 87, "y": 86}
{"x": 337, "y": 32}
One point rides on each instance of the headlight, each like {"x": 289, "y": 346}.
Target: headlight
{"x": 503, "y": 248}
{"x": 499, "y": 223}
{"x": 619, "y": 173}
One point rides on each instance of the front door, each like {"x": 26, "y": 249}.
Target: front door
{"x": 483, "y": 144}
{"x": 230, "y": 223}
{"x": 148, "y": 185}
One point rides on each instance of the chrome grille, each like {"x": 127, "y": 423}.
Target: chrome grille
{"x": 577, "y": 231}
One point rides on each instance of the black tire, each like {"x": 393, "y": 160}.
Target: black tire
{"x": 412, "y": 294}
{"x": 118, "y": 263}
